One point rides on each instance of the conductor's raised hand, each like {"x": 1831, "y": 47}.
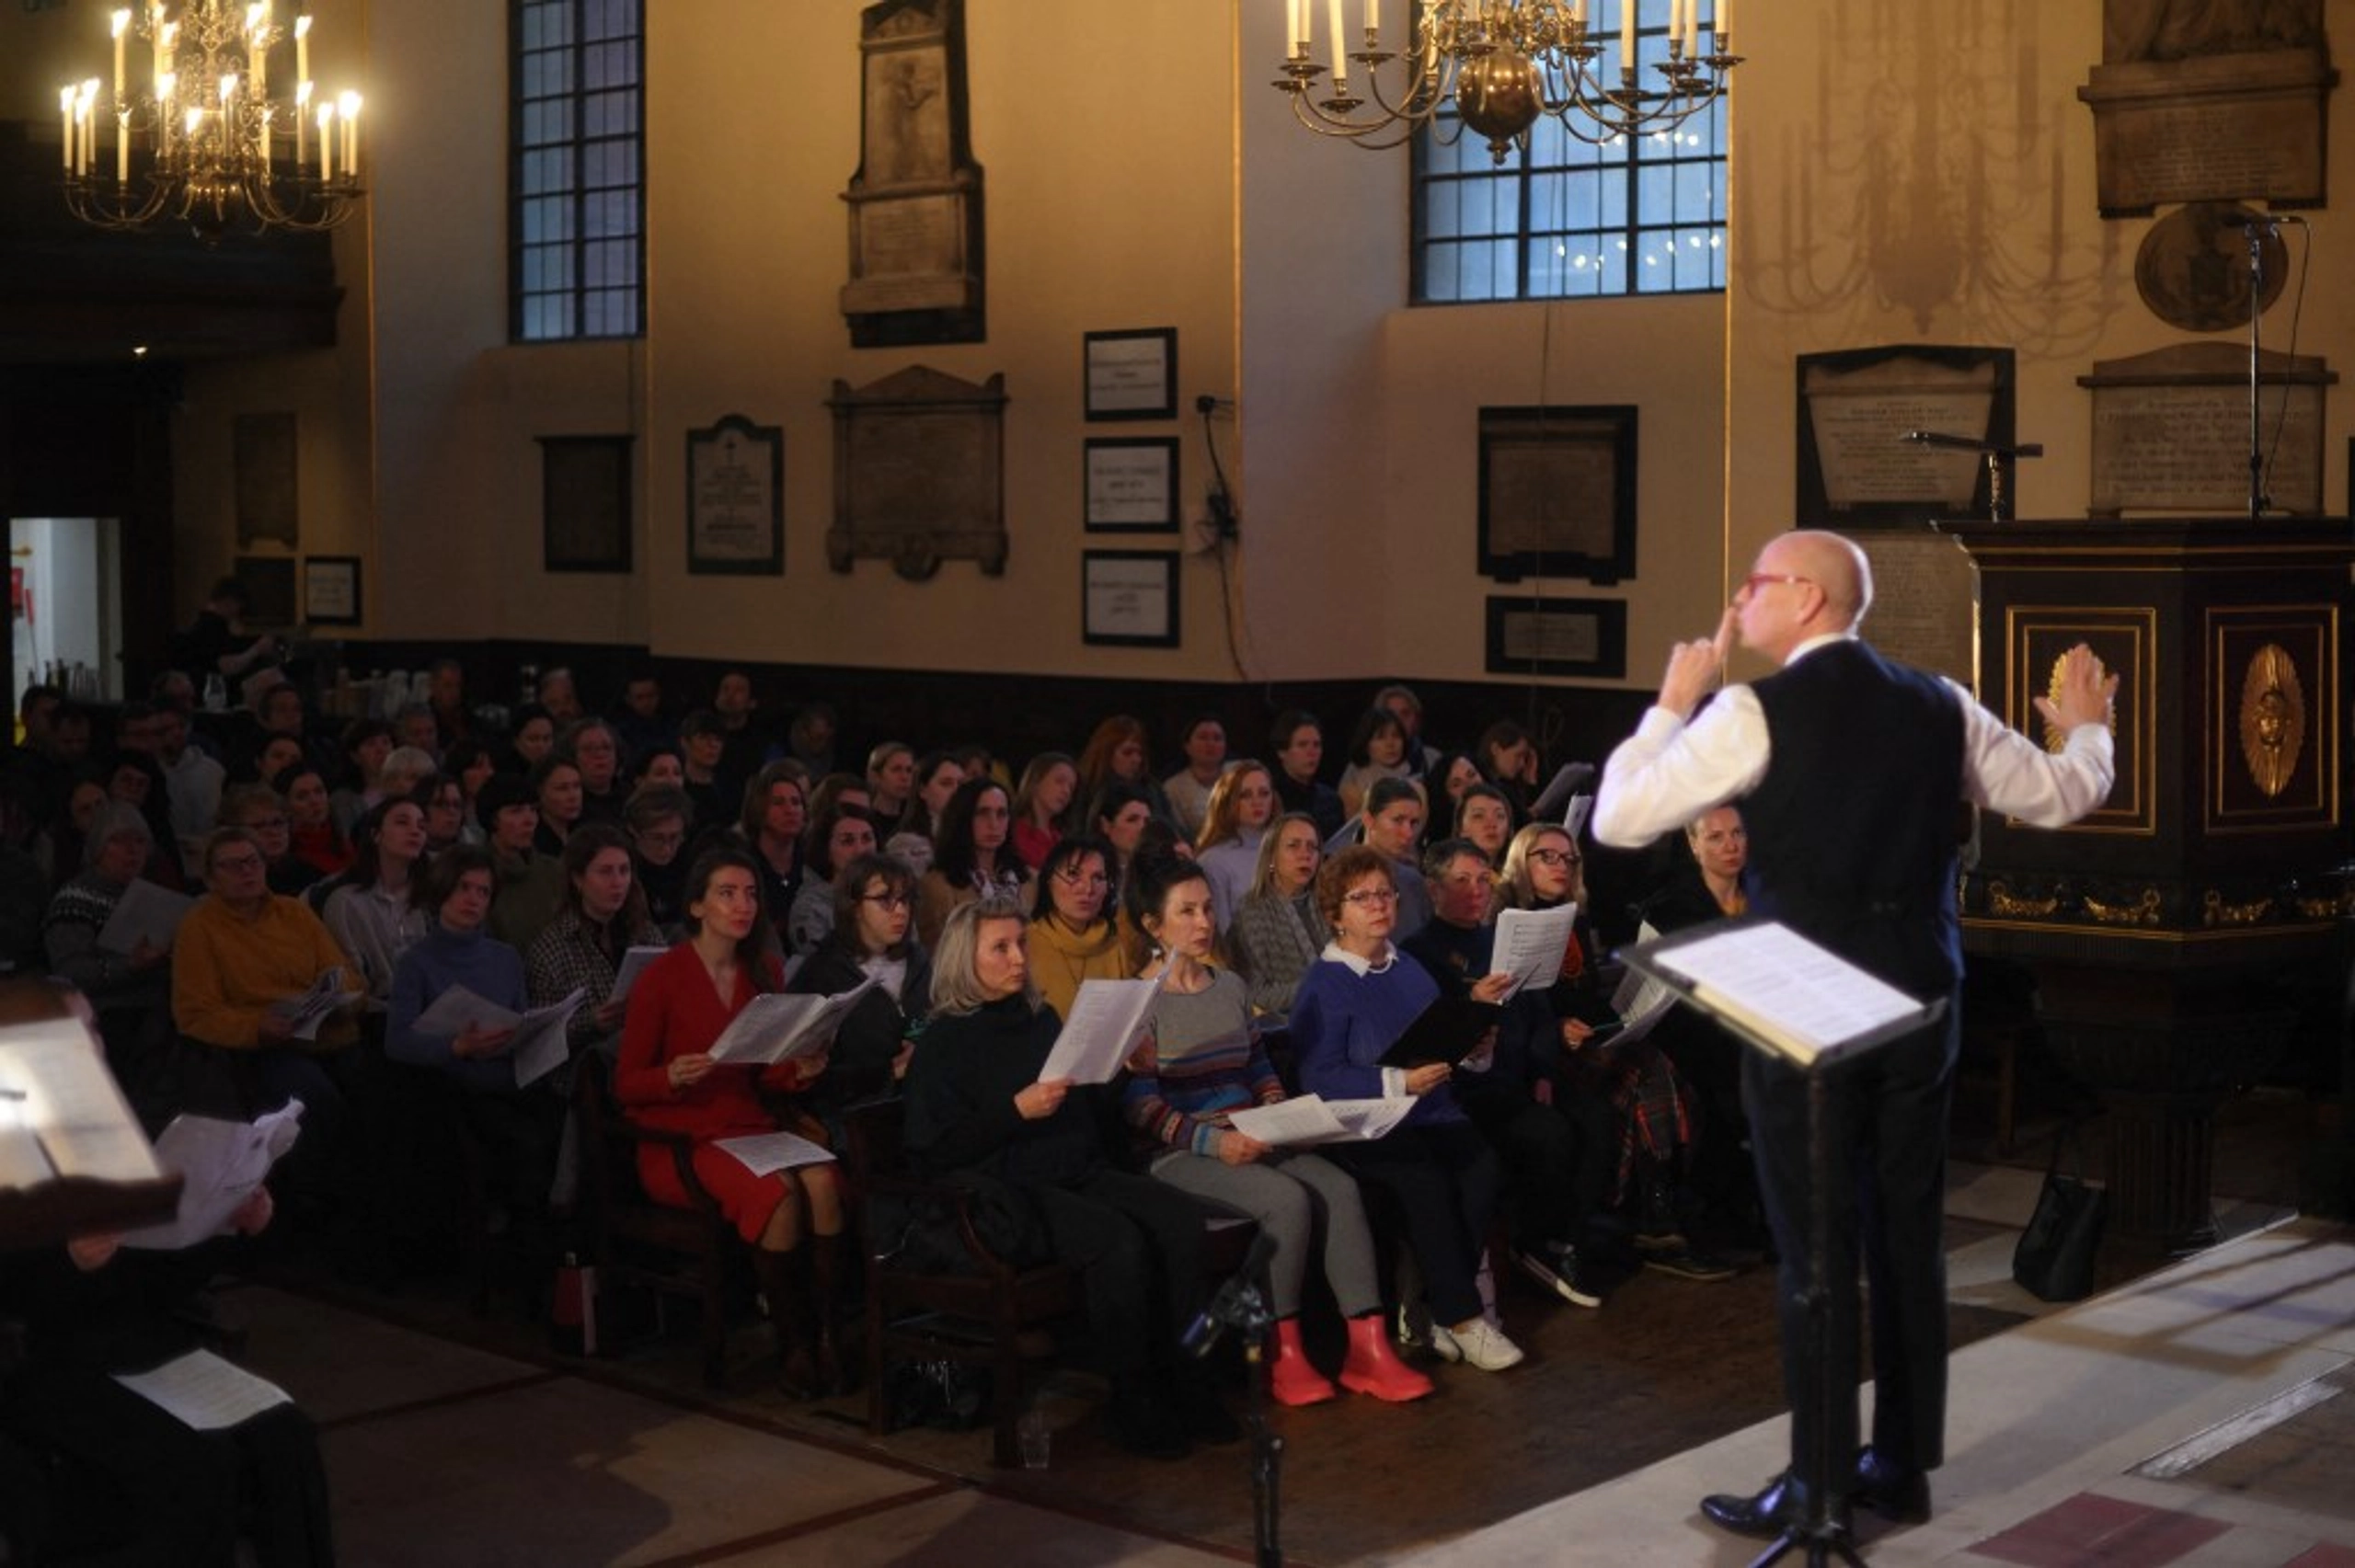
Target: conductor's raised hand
{"x": 2085, "y": 693}
{"x": 1696, "y": 668}
{"x": 1042, "y": 1099}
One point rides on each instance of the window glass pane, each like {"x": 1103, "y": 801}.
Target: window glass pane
{"x": 578, "y": 175}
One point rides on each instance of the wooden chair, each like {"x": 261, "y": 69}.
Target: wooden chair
{"x": 671, "y": 1250}
{"x": 975, "y": 1318}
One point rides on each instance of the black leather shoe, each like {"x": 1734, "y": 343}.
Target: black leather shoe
{"x": 1782, "y": 1506}
{"x": 1900, "y": 1495}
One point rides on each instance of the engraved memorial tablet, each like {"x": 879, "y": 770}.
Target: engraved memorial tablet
{"x": 2171, "y": 430}
{"x": 915, "y": 202}
{"x": 919, "y": 473}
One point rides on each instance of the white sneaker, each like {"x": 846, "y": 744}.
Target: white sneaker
{"x": 1483, "y": 1345}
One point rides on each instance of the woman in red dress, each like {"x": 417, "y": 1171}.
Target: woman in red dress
{"x": 668, "y": 1080}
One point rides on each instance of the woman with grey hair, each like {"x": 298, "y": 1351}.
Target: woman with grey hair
{"x": 1042, "y": 1154}
{"x": 131, "y": 992}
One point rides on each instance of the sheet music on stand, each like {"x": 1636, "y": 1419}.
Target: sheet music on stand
{"x": 1781, "y": 991}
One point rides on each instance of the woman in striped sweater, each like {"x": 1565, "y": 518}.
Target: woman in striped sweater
{"x": 1203, "y": 1061}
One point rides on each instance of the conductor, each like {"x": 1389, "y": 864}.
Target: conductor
{"x": 1846, "y": 765}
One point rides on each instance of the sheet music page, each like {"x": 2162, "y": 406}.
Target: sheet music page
{"x": 1640, "y": 995}
{"x": 450, "y": 1012}
{"x": 144, "y": 912}
{"x": 203, "y": 1391}
{"x": 1371, "y": 1119}
{"x": 1531, "y": 944}
{"x": 764, "y": 1152}
{"x": 1574, "y": 820}
{"x": 634, "y": 964}
{"x": 22, "y": 1165}
{"x": 307, "y": 1011}
{"x": 766, "y": 1026}
{"x": 541, "y": 1045}
{"x": 1305, "y": 1119}
{"x": 70, "y": 1102}
{"x": 220, "y": 1162}
{"x": 1804, "y": 998}
{"x": 1106, "y": 1017}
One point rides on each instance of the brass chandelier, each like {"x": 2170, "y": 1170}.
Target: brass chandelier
{"x": 203, "y": 142}
{"x": 1501, "y": 64}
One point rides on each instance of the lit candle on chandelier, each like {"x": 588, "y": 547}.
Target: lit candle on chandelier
{"x": 121, "y": 28}
{"x": 1627, "y": 9}
{"x": 303, "y": 48}
{"x": 123, "y": 146}
{"x": 348, "y": 110}
{"x": 65, "y": 128}
{"x": 326, "y": 143}
{"x": 302, "y": 124}
{"x": 258, "y": 46}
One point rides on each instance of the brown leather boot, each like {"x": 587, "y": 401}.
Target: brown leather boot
{"x": 797, "y": 1368}
{"x": 837, "y": 1371}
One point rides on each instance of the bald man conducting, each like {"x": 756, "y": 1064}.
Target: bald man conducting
{"x": 1847, "y": 767}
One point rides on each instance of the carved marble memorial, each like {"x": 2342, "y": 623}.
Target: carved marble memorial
{"x": 919, "y": 473}
{"x": 1855, "y": 407}
{"x": 915, "y": 204}
{"x": 2171, "y": 430}
{"x": 2202, "y": 101}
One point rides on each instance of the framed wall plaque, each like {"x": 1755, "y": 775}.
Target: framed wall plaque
{"x": 584, "y": 503}
{"x": 1855, "y": 408}
{"x": 1557, "y": 493}
{"x": 1130, "y": 485}
{"x": 270, "y": 585}
{"x": 331, "y": 590}
{"x": 736, "y": 499}
{"x": 1557, "y": 636}
{"x": 1129, "y": 597}
{"x": 1132, "y": 375}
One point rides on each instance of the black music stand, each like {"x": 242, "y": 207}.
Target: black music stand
{"x": 1765, "y": 1025}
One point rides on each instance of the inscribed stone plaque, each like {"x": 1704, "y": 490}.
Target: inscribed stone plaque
{"x": 736, "y": 499}
{"x": 2172, "y": 430}
{"x": 919, "y": 472}
{"x": 1925, "y": 602}
{"x": 1856, "y": 409}
{"x": 2223, "y": 127}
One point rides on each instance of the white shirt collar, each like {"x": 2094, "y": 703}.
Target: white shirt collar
{"x": 1360, "y": 966}
{"x": 1813, "y": 644}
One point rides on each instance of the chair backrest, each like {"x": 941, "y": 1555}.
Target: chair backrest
{"x": 877, "y": 1132}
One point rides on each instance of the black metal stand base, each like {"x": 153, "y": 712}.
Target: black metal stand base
{"x": 1823, "y": 1543}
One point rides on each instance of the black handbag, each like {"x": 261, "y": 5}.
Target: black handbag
{"x": 2054, "y": 1259}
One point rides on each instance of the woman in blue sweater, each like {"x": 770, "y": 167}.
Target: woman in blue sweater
{"x": 1354, "y": 1004}
{"x": 519, "y": 1125}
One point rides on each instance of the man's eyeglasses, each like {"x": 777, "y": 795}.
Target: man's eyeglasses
{"x": 1756, "y": 580}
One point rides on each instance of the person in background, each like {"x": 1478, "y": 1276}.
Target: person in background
{"x": 1200, "y": 1062}
{"x": 891, "y": 781}
{"x": 194, "y": 781}
{"x": 591, "y": 745}
{"x": 1043, "y": 806}
{"x": 530, "y": 885}
{"x": 448, "y": 822}
{"x": 1227, "y": 849}
{"x": 1508, "y": 760}
{"x": 659, "y": 822}
{"x": 533, "y": 738}
{"x": 1422, "y": 756}
{"x": 1189, "y": 789}
{"x": 937, "y": 776}
{"x": 1118, "y": 751}
{"x": 1298, "y": 743}
{"x": 843, "y": 834}
{"x": 258, "y": 809}
{"x": 556, "y": 790}
{"x": 372, "y": 915}
{"x": 775, "y": 812}
{"x": 1117, "y": 816}
{"x": 1377, "y": 750}
{"x": 1074, "y": 933}
{"x": 310, "y": 813}
{"x": 1392, "y": 826}
{"x": 973, "y": 860}
{"x": 658, "y": 765}
{"x": 809, "y": 738}
{"x": 1484, "y": 815}
{"x": 561, "y": 696}
{"x": 445, "y": 693}
{"x": 667, "y": 1078}
{"x": 131, "y": 992}
{"x": 414, "y": 729}
{"x": 214, "y": 645}
{"x": 703, "y": 750}
{"x": 639, "y": 721}
{"x": 1443, "y": 788}
{"x": 749, "y": 747}
{"x": 1277, "y": 931}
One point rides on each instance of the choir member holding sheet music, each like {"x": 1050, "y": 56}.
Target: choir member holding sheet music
{"x": 1201, "y": 1062}
{"x": 603, "y": 919}
{"x": 126, "y": 977}
{"x": 667, "y": 1078}
{"x": 1849, "y": 768}
{"x": 264, "y": 998}
{"x": 518, "y": 1121}
{"x": 1043, "y": 1156}
{"x": 1555, "y": 1144}
{"x": 1074, "y": 925}
{"x": 1354, "y": 1004}
{"x": 210, "y": 1455}
{"x": 872, "y": 939}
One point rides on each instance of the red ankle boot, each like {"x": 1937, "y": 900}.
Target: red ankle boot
{"x": 1373, "y": 1367}
{"x": 1292, "y": 1378}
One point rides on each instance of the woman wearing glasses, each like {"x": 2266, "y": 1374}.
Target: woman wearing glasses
{"x": 1355, "y": 1003}
{"x": 1075, "y": 928}
{"x": 872, "y": 936}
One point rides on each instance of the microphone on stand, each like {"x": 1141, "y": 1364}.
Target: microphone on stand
{"x": 1232, "y": 1307}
